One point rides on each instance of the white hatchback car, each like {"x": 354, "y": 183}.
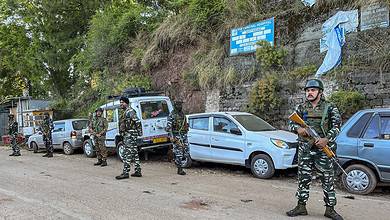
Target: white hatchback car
{"x": 242, "y": 139}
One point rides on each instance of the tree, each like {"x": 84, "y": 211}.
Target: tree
{"x": 18, "y": 69}
{"x": 56, "y": 30}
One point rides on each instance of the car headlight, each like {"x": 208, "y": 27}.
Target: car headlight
{"x": 279, "y": 143}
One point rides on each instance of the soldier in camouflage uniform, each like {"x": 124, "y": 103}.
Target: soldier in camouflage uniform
{"x": 98, "y": 129}
{"x": 13, "y": 132}
{"x": 130, "y": 129}
{"x": 325, "y": 118}
{"x": 46, "y": 128}
{"x": 177, "y": 129}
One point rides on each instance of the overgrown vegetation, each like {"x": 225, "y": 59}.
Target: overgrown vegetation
{"x": 302, "y": 72}
{"x": 264, "y": 98}
{"x": 348, "y": 102}
{"x": 77, "y": 53}
{"x": 270, "y": 56}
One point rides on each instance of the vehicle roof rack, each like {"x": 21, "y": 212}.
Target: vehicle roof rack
{"x": 135, "y": 92}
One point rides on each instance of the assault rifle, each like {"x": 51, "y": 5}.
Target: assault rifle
{"x": 295, "y": 118}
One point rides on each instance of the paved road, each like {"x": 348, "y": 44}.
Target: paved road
{"x": 69, "y": 187}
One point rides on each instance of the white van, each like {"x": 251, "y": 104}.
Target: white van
{"x": 152, "y": 110}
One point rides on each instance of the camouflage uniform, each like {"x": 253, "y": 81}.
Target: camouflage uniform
{"x": 311, "y": 157}
{"x": 178, "y": 128}
{"x": 46, "y": 128}
{"x": 99, "y": 126}
{"x": 13, "y": 132}
{"x": 130, "y": 128}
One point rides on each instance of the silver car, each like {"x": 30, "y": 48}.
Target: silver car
{"x": 241, "y": 138}
{"x": 66, "y": 135}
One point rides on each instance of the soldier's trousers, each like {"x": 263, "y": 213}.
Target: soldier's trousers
{"x": 48, "y": 143}
{"x": 130, "y": 154}
{"x": 309, "y": 159}
{"x": 100, "y": 147}
{"x": 15, "y": 145}
{"x": 180, "y": 148}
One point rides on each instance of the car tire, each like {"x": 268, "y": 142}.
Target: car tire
{"x": 186, "y": 161}
{"x": 68, "y": 149}
{"x": 360, "y": 179}
{"x": 88, "y": 149}
{"x": 262, "y": 166}
{"x": 119, "y": 150}
{"x": 34, "y": 147}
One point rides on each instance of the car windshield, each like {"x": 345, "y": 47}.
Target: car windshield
{"x": 80, "y": 124}
{"x": 253, "y": 123}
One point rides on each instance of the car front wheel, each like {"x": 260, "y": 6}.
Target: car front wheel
{"x": 262, "y": 166}
{"x": 88, "y": 149}
{"x": 360, "y": 179}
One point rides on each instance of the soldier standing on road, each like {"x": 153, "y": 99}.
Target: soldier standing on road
{"x": 177, "y": 129}
{"x": 46, "y": 128}
{"x": 13, "y": 132}
{"x": 98, "y": 129}
{"x": 130, "y": 129}
{"x": 325, "y": 119}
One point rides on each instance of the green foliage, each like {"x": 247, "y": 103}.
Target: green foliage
{"x": 133, "y": 81}
{"x": 173, "y": 33}
{"x": 18, "y": 67}
{"x": 302, "y": 72}
{"x": 270, "y": 56}
{"x": 206, "y": 13}
{"x": 348, "y": 102}
{"x": 205, "y": 70}
{"x": 264, "y": 97}
{"x": 109, "y": 30}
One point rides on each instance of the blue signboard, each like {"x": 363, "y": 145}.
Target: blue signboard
{"x": 244, "y": 39}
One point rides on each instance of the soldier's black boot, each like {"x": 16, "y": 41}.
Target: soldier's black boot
{"x": 104, "y": 163}
{"x": 45, "y": 155}
{"x": 136, "y": 174}
{"x": 180, "y": 171}
{"x": 332, "y": 214}
{"x": 13, "y": 154}
{"x": 17, "y": 154}
{"x": 122, "y": 176}
{"x": 300, "y": 209}
{"x": 99, "y": 162}
{"x": 50, "y": 154}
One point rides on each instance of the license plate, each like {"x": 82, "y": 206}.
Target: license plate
{"x": 160, "y": 140}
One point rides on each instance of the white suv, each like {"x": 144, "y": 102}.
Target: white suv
{"x": 242, "y": 139}
{"x": 152, "y": 110}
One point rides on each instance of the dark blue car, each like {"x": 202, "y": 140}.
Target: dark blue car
{"x": 363, "y": 148}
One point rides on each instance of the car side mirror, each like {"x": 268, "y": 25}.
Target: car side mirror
{"x": 235, "y": 131}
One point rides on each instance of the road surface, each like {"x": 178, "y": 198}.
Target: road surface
{"x": 70, "y": 187}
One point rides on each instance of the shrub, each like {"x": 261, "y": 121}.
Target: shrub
{"x": 302, "y": 72}
{"x": 206, "y": 13}
{"x": 348, "y": 102}
{"x": 270, "y": 56}
{"x": 264, "y": 97}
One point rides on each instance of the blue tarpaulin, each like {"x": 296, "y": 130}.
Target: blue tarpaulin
{"x": 309, "y": 2}
{"x": 334, "y": 30}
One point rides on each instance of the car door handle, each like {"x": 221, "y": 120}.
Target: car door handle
{"x": 368, "y": 145}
